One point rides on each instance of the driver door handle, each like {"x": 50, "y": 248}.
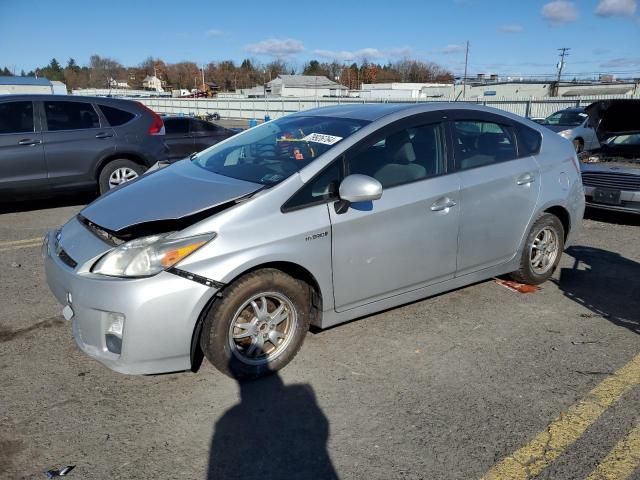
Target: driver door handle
{"x": 104, "y": 135}
{"x": 30, "y": 142}
{"x": 442, "y": 204}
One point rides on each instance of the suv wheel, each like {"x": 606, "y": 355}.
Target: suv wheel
{"x": 117, "y": 172}
{"x": 259, "y": 324}
{"x": 542, "y": 251}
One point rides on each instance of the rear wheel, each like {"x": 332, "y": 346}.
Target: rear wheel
{"x": 259, "y": 324}
{"x": 117, "y": 172}
{"x": 542, "y": 251}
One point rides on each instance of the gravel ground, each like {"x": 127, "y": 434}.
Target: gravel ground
{"x": 438, "y": 389}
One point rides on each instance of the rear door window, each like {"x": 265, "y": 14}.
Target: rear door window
{"x": 70, "y": 116}
{"x": 479, "y": 143}
{"x": 16, "y": 117}
{"x": 176, "y": 126}
{"x": 115, "y": 116}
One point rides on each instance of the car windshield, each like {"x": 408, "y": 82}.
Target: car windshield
{"x": 275, "y": 150}
{"x": 566, "y": 118}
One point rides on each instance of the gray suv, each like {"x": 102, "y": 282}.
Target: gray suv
{"x": 319, "y": 218}
{"x": 50, "y": 143}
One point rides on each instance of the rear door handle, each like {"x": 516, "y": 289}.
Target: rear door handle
{"x": 29, "y": 142}
{"x": 526, "y": 179}
{"x": 442, "y": 204}
{"x": 104, "y": 135}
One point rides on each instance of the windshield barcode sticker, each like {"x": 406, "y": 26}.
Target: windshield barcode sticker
{"x": 322, "y": 138}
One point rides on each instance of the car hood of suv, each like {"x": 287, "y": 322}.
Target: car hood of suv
{"x": 614, "y": 117}
{"x": 167, "y": 199}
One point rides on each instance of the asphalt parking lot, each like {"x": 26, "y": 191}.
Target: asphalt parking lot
{"x": 478, "y": 382}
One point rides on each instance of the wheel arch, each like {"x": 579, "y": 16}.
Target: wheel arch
{"x": 563, "y": 215}
{"x": 118, "y": 156}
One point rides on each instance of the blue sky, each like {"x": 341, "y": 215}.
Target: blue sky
{"x": 517, "y": 37}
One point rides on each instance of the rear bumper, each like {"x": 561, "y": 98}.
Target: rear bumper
{"x": 629, "y": 201}
{"x": 160, "y": 314}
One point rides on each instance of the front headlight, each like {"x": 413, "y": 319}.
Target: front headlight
{"x": 148, "y": 256}
{"x": 565, "y": 133}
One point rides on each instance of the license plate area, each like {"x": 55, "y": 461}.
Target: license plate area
{"x": 606, "y": 195}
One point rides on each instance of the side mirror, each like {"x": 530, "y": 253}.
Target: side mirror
{"x": 357, "y": 188}
{"x": 360, "y": 188}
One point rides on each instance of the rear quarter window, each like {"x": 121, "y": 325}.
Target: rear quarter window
{"x": 116, "y": 116}
{"x": 529, "y": 140}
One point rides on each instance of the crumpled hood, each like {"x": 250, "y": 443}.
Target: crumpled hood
{"x": 172, "y": 193}
{"x": 614, "y": 117}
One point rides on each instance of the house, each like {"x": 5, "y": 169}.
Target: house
{"x": 151, "y": 82}
{"x": 113, "y": 83}
{"x": 16, "y": 85}
{"x": 304, "y": 86}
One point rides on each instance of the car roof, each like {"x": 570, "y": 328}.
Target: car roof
{"x": 572, "y": 109}
{"x": 35, "y": 97}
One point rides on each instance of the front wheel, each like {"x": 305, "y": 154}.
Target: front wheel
{"x": 259, "y": 324}
{"x": 542, "y": 251}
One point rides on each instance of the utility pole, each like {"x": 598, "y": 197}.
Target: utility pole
{"x": 466, "y": 64}
{"x": 563, "y": 53}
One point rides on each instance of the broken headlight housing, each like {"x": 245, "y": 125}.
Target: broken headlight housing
{"x": 147, "y": 256}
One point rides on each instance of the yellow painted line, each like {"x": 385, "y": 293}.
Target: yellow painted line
{"x": 560, "y": 434}
{"x": 16, "y": 247}
{"x": 622, "y": 460}
{"x": 19, "y": 242}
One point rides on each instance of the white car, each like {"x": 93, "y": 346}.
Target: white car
{"x": 574, "y": 125}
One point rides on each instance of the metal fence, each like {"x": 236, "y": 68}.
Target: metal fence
{"x": 259, "y": 108}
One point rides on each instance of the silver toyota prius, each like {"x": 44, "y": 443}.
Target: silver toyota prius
{"x": 316, "y": 218}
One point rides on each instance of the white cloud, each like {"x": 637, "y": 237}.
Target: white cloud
{"x": 616, "y": 8}
{"x": 368, "y": 53}
{"x": 512, "y": 28}
{"x": 276, "y": 47}
{"x": 560, "y": 11}
{"x": 622, "y": 63}
{"x": 452, "y": 48}
{"x": 214, "y": 32}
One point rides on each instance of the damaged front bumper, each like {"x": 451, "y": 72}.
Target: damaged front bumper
{"x": 154, "y": 318}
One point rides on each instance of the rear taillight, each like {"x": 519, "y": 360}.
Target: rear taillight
{"x": 157, "y": 125}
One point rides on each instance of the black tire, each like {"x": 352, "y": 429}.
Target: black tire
{"x": 216, "y": 338}
{"x": 527, "y": 272}
{"x": 578, "y": 144}
{"x": 111, "y": 167}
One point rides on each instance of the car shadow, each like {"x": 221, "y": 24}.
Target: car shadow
{"x": 607, "y": 216}
{"x": 604, "y": 282}
{"x": 27, "y": 205}
{"x": 277, "y": 431}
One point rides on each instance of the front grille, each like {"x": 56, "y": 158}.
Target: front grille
{"x": 64, "y": 256}
{"x": 619, "y": 181}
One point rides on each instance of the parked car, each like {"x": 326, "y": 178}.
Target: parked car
{"x": 51, "y": 143}
{"x": 611, "y": 174}
{"x": 316, "y": 218}
{"x": 187, "y": 135}
{"x": 574, "y": 125}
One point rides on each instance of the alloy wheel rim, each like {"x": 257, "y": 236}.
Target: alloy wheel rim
{"x": 121, "y": 175}
{"x": 262, "y": 328}
{"x": 544, "y": 250}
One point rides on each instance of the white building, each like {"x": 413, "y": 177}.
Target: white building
{"x": 17, "y": 85}
{"x": 304, "y": 86}
{"x": 151, "y": 82}
{"x": 405, "y": 91}
{"x": 113, "y": 83}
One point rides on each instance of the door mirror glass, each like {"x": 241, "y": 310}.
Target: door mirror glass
{"x": 360, "y": 188}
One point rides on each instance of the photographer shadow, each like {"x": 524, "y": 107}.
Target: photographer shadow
{"x": 277, "y": 431}
{"x": 606, "y": 283}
